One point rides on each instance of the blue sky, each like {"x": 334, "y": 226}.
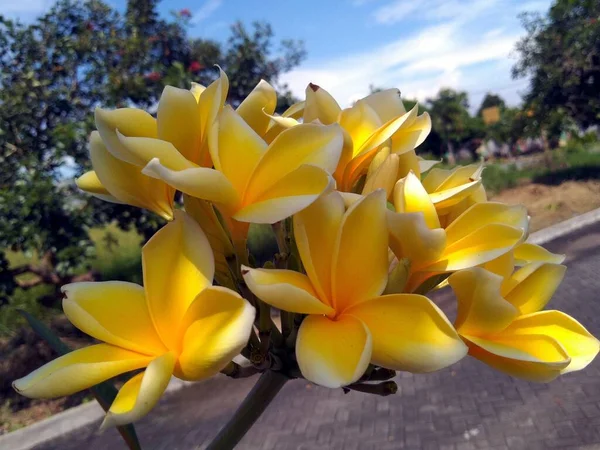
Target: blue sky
{"x": 416, "y": 46}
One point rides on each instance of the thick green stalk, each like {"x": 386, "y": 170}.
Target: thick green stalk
{"x": 262, "y": 394}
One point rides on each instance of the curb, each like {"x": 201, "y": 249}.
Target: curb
{"x": 80, "y": 416}
{"x": 566, "y": 227}
{"x": 62, "y": 423}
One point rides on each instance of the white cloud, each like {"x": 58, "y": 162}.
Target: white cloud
{"x": 468, "y": 49}
{"x": 206, "y": 10}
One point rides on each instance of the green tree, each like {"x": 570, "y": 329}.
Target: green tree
{"x": 490, "y": 100}
{"x": 561, "y": 55}
{"x": 450, "y": 118}
{"x": 53, "y": 73}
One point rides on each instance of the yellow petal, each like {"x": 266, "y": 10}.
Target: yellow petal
{"x": 197, "y": 89}
{"x": 126, "y": 182}
{"x": 360, "y": 121}
{"x": 411, "y": 238}
{"x": 410, "y": 197}
{"x": 409, "y": 333}
{"x": 453, "y": 212}
{"x": 477, "y": 248}
{"x": 315, "y": 231}
{"x": 79, "y": 370}
{"x": 286, "y": 290}
{"x": 360, "y": 258}
{"x": 320, "y": 105}
{"x": 216, "y": 327}
{"x": 210, "y": 103}
{"x": 141, "y": 393}
{"x": 579, "y": 344}
{"x": 447, "y": 198}
{"x": 384, "y": 132}
{"x": 287, "y": 196}
{"x": 146, "y": 149}
{"x": 441, "y": 179}
{"x": 90, "y": 183}
{"x": 481, "y": 308}
{"x": 114, "y": 312}
{"x": 261, "y": 101}
{"x": 387, "y": 104}
{"x": 235, "y": 148}
{"x": 130, "y": 122}
{"x": 534, "y": 291}
{"x": 426, "y": 164}
{"x": 204, "y": 213}
{"x": 533, "y": 358}
{"x": 295, "y": 111}
{"x": 333, "y": 353}
{"x": 502, "y": 265}
{"x": 312, "y": 144}
{"x": 526, "y": 253}
{"x": 482, "y": 214}
{"x": 177, "y": 264}
{"x": 178, "y": 119}
{"x": 201, "y": 182}
{"x": 383, "y": 177}
{"x": 407, "y": 162}
{"x": 413, "y": 134}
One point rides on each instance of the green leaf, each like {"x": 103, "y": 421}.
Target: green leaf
{"x": 104, "y": 393}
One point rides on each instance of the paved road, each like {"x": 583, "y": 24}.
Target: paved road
{"x": 467, "y": 406}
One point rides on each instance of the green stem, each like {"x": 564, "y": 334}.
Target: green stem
{"x": 262, "y": 394}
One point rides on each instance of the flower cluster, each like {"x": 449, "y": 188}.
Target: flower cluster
{"x": 365, "y": 228}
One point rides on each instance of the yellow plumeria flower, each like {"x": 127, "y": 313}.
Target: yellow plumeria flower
{"x": 521, "y": 255}
{"x": 501, "y": 322}
{"x": 417, "y": 235}
{"x": 373, "y": 123}
{"x": 251, "y": 181}
{"x": 349, "y": 323}
{"x": 117, "y": 181}
{"x": 177, "y": 324}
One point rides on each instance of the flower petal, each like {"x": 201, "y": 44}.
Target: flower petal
{"x": 481, "y": 308}
{"x": 177, "y": 263}
{"x": 210, "y": 103}
{"x": 320, "y": 105}
{"x": 534, "y": 358}
{"x": 127, "y": 183}
{"x": 333, "y": 353}
{"x": 409, "y": 333}
{"x": 287, "y": 196}
{"x": 477, "y": 248}
{"x": 141, "y": 393}
{"x": 204, "y": 213}
{"x": 114, "y": 312}
{"x": 79, "y": 370}
{"x": 387, "y": 104}
{"x": 285, "y": 289}
{"x": 360, "y": 121}
{"x": 383, "y": 177}
{"x": 315, "y": 231}
{"x": 525, "y": 253}
{"x": 215, "y": 328}
{"x": 178, "y": 121}
{"x": 260, "y": 102}
{"x": 502, "y": 265}
{"x": 535, "y": 290}
{"x": 235, "y": 148}
{"x": 410, "y": 197}
{"x": 360, "y": 258}
{"x": 90, "y": 183}
{"x": 312, "y": 144}
{"x": 201, "y": 182}
{"x": 411, "y": 238}
{"x": 130, "y": 122}
{"x": 579, "y": 344}
{"x": 482, "y": 214}
{"x": 146, "y": 149}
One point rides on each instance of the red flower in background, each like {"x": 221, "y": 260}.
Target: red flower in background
{"x": 153, "y": 76}
{"x": 185, "y": 13}
{"x": 195, "y": 66}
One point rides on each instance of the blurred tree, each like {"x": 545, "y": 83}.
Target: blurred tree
{"x": 53, "y": 73}
{"x": 491, "y": 100}
{"x": 561, "y": 55}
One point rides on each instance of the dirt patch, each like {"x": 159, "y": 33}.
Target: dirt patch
{"x": 549, "y": 204}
